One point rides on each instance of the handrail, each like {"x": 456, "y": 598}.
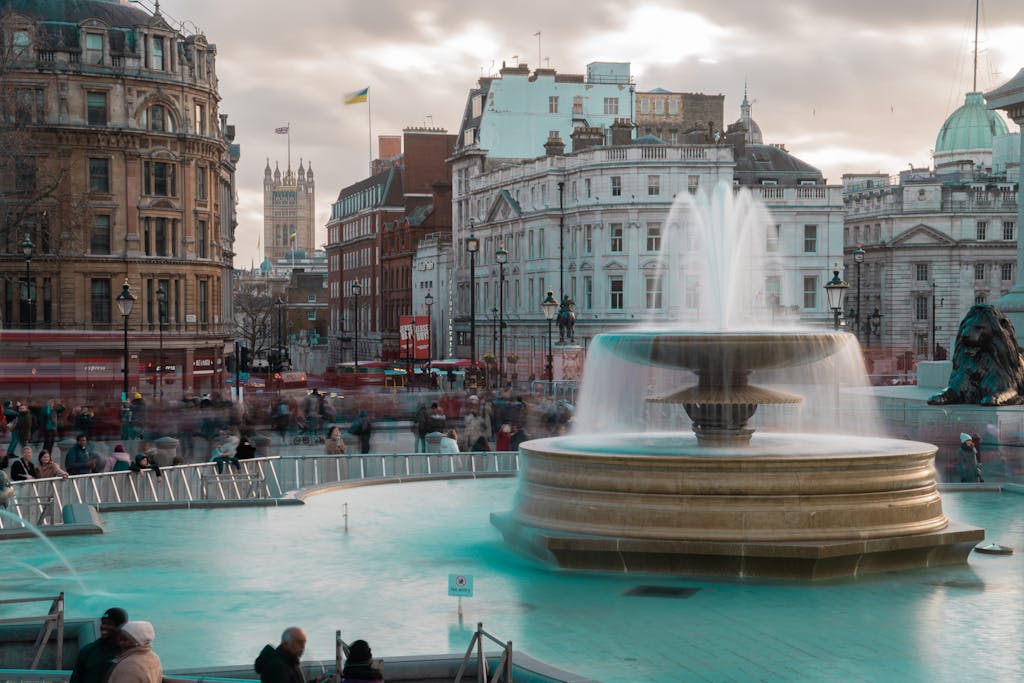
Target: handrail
{"x": 269, "y": 478}
{"x": 503, "y": 669}
{"x": 52, "y": 621}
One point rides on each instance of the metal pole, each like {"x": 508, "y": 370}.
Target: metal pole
{"x": 561, "y": 241}
{"x": 857, "y": 319}
{"x": 501, "y": 321}
{"x": 551, "y": 369}
{"x": 355, "y": 336}
{"x": 472, "y": 309}
{"x": 932, "y": 354}
{"x": 124, "y": 380}
{"x": 28, "y": 288}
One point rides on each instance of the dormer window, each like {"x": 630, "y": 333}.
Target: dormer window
{"x": 19, "y": 45}
{"x": 93, "y": 48}
{"x": 158, "y": 54}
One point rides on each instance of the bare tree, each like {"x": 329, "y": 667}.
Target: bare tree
{"x": 254, "y": 318}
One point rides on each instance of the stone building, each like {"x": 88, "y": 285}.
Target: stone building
{"x": 669, "y": 116}
{"x": 289, "y": 211}
{"x": 116, "y": 167}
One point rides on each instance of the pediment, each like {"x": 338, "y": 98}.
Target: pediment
{"x": 503, "y": 208}
{"x": 922, "y": 235}
{"x": 652, "y": 264}
{"x": 614, "y": 265}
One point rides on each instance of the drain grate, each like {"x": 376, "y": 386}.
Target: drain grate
{"x": 681, "y": 592}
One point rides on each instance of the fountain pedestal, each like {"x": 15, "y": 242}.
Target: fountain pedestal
{"x": 788, "y": 506}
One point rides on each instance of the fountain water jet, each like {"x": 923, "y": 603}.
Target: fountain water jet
{"x": 723, "y": 500}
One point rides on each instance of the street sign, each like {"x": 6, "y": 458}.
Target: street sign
{"x": 460, "y": 585}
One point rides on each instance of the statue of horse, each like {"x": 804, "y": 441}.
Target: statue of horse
{"x": 566, "y": 321}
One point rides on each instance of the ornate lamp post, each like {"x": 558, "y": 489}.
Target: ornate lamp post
{"x": 26, "y": 248}
{"x": 550, "y": 308}
{"x": 428, "y": 300}
{"x": 836, "y": 291}
{"x": 357, "y": 289}
{"x": 472, "y": 246}
{"x": 125, "y": 300}
{"x": 858, "y": 258}
{"x": 501, "y": 256}
{"x": 161, "y": 309}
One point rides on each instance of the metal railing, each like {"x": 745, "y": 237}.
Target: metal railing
{"x": 503, "y": 668}
{"x": 41, "y": 501}
{"x": 52, "y": 623}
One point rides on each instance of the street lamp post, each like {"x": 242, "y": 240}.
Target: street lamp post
{"x": 858, "y": 258}
{"x": 356, "y": 290}
{"x": 501, "y": 256}
{"x": 428, "y": 300}
{"x": 161, "y": 309}
{"x": 26, "y": 248}
{"x": 934, "y": 341}
{"x": 472, "y": 246}
{"x": 125, "y": 300}
{"x": 836, "y": 291}
{"x": 494, "y": 336}
{"x": 550, "y": 308}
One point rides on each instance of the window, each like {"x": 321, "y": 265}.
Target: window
{"x": 553, "y": 104}
{"x": 615, "y": 237}
{"x": 101, "y": 301}
{"x": 979, "y": 271}
{"x": 659, "y": 106}
{"x": 202, "y": 193}
{"x": 653, "y": 236}
{"x": 311, "y": 316}
{"x": 157, "y": 118}
{"x": 616, "y": 185}
{"x": 96, "y": 102}
{"x": 588, "y": 292}
{"x": 921, "y": 270}
{"x": 692, "y": 183}
{"x": 160, "y": 235}
{"x": 93, "y": 48}
{"x": 588, "y": 239}
{"x": 1006, "y": 272}
{"x": 99, "y": 175}
{"x": 158, "y": 54}
{"x": 586, "y": 187}
{"x": 203, "y": 301}
{"x": 99, "y": 240}
{"x": 469, "y": 136}
{"x": 158, "y": 179}
{"x": 29, "y": 106}
{"x": 653, "y": 185}
{"x": 19, "y": 44}
{"x": 24, "y": 174}
{"x": 311, "y": 298}
{"x": 645, "y": 105}
{"x": 810, "y": 239}
{"x": 577, "y": 104}
{"x": 615, "y": 301}
{"x": 673, "y": 106}
{"x": 810, "y": 292}
{"x": 653, "y": 293}
{"x": 979, "y": 297}
{"x": 920, "y": 308}
{"x": 201, "y": 239}
{"x": 478, "y": 104}
{"x": 772, "y": 238}
{"x": 200, "y": 122}
{"x": 611, "y": 106}
{"x": 921, "y": 344}
{"x": 982, "y": 230}
{"x": 1008, "y": 231}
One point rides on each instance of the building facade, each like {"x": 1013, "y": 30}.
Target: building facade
{"x": 117, "y": 168}
{"x": 936, "y": 240}
{"x": 669, "y": 116}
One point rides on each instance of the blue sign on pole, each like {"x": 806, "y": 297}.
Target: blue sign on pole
{"x": 460, "y": 585}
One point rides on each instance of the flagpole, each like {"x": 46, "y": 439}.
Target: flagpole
{"x": 369, "y": 130}
{"x": 289, "y": 145}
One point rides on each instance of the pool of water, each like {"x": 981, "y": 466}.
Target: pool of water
{"x": 219, "y": 584}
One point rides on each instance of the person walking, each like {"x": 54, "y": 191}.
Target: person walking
{"x": 281, "y": 664}
{"x": 95, "y": 659}
{"x": 362, "y": 428}
{"x": 136, "y": 663}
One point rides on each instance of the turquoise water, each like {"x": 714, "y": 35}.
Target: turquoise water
{"x": 219, "y": 584}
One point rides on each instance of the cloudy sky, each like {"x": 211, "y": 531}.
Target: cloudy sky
{"x": 847, "y": 86}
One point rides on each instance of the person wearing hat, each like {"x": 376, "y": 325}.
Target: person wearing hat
{"x": 95, "y": 659}
{"x": 967, "y": 460}
{"x": 143, "y": 463}
{"x": 281, "y": 664}
{"x": 136, "y": 662}
{"x": 359, "y": 664}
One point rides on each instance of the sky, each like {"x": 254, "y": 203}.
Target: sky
{"x": 850, "y": 87}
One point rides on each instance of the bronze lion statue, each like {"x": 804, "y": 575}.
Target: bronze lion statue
{"x": 987, "y": 364}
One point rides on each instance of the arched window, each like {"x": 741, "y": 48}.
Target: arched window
{"x": 158, "y": 118}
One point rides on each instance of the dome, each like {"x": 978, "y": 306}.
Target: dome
{"x": 972, "y": 126}
{"x": 112, "y": 12}
{"x": 266, "y": 266}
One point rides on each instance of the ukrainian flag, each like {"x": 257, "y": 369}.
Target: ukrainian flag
{"x": 357, "y": 96}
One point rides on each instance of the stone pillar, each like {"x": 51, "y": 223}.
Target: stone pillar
{"x": 167, "y": 450}
{"x": 1009, "y": 98}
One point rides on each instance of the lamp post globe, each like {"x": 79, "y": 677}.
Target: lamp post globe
{"x": 550, "y": 308}
{"x": 472, "y": 246}
{"x": 125, "y": 301}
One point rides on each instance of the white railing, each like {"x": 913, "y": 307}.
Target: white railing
{"x": 260, "y": 479}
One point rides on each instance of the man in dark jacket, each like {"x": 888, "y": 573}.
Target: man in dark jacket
{"x": 80, "y": 459}
{"x": 96, "y": 658}
{"x": 281, "y": 664}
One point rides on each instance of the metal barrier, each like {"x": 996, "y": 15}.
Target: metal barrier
{"x": 503, "y": 668}
{"x": 52, "y": 623}
{"x": 257, "y": 479}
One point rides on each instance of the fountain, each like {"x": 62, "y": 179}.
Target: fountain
{"x": 620, "y": 495}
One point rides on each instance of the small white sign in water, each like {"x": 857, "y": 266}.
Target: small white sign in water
{"x": 460, "y": 585}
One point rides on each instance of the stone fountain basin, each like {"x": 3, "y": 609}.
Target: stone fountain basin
{"x": 801, "y": 506}
{"x": 714, "y": 350}
{"x": 783, "y": 487}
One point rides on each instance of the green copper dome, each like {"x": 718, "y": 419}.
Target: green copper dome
{"x": 972, "y": 126}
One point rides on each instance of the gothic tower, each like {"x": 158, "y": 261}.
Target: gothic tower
{"x": 288, "y": 211}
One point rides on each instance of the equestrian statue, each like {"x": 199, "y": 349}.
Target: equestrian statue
{"x": 566, "y": 321}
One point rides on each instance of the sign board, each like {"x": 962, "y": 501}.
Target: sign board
{"x": 460, "y": 585}
{"x": 414, "y": 337}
